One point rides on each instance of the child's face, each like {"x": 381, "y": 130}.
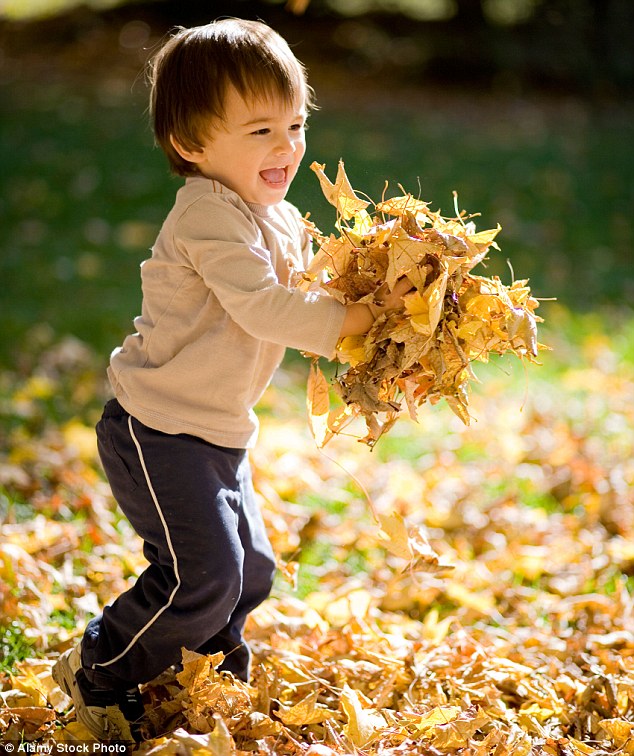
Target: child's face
{"x": 257, "y": 150}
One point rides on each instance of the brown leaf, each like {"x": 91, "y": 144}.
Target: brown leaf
{"x": 26, "y": 722}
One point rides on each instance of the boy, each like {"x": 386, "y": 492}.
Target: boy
{"x": 229, "y": 103}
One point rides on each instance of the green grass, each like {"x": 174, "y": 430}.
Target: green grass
{"x": 554, "y": 174}
{"x": 14, "y": 646}
{"x": 84, "y": 193}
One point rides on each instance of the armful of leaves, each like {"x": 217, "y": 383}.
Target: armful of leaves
{"x": 451, "y": 317}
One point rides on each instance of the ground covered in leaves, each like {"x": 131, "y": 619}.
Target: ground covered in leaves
{"x": 518, "y": 639}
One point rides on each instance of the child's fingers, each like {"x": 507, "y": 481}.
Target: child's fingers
{"x": 402, "y": 286}
{"x": 395, "y": 297}
{"x": 390, "y": 300}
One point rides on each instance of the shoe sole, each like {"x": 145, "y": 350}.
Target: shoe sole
{"x": 64, "y": 674}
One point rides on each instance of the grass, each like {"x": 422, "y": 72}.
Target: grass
{"x": 84, "y": 192}
{"x": 14, "y": 646}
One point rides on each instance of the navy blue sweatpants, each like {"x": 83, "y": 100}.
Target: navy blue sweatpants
{"x": 210, "y": 561}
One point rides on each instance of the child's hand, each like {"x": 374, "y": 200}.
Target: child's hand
{"x": 390, "y": 300}
{"x": 360, "y": 317}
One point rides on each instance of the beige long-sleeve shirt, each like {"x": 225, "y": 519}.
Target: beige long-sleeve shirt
{"x": 218, "y": 310}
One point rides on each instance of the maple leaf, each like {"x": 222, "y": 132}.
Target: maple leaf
{"x": 324, "y": 422}
{"x": 425, "y": 309}
{"x": 26, "y": 722}
{"x": 340, "y": 194}
{"x": 353, "y": 287}
{"x": 307, "y": 711}
{"x": 426, "y": 723}
{"x": 334, "y": 256}
{"x": 620, "y": 732}
{"x": 409, "y": 544}
{"x": 487, "y": 639}
{"x": 196, "y": 668}
{"x": 484, "y": 238}
{"x": 218, "y": 742}
{"x": 352, "y": 349}
{"x": 407, "y": 256}
{"x": 404, "y": 206}
{"x": 363, "y": 724}
{"x": 458, "y": 732}
{"x": 318, "y": 405}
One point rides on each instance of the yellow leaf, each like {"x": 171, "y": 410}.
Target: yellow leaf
{"x": 307, "y": 711}
{"x": 409, "y": 544}
{"x": 289, "y": 571}
{"x": 119, "y": 722}
{"x": 420, "y": 352}
{"x": 400, "y": 206}
{"x": 581, "y": 749}
{"x": 439, "y": 715}
{"x": 74, "y": 731}
{"x": 435, "y": 629}
{"x": 351, "y": 349}
{"x": 261, "y": 725}
{"x": 394, "y": 528}
{"x": 521, "y": 326}
{"x": 340, "y": 611}
{"x": 363, "y": 232}
{"x": 333, "y": 256}
{"x": 31, "y": 686}
{"x": 485, "y": 237}
{"x": 458, "y": 732}
{"x": 619, "y": 731}
{"x": 405, "y": 256}
{"x": 220, "y": 742}
{"x": 196, "y": 668}
{"x": 340, "y": 417}
{"x": 323, "y": 422}
{"x": 340, "y": 194}
{"x": 81, "y": 439}
{"x": 426, "y": 308}
{"x": 363, "y": 724}
{"x": 318, "y": 405}
{"x": 217, "y": 743}
{"x": 480, "y": 601}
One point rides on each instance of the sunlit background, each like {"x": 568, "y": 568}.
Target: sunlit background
{"x": 525, "y": 109}
{"x": 521, "y": 106}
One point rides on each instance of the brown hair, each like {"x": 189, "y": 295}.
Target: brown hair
{"x": 190, "y": 74}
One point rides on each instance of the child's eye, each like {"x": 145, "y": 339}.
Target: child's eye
{"x": 299, "y": 127}
{"x": 261, "y": 132}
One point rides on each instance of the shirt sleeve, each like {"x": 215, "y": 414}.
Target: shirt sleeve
{"x": 227, "y": 250}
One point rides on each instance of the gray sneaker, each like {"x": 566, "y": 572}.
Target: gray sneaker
{"x": 109, "y": 714}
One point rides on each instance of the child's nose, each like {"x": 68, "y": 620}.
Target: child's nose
{"x": 285, "y": 144}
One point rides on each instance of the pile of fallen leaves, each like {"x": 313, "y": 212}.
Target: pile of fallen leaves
{"x": 525, "y": 647}
{"x": 451, "y": 318}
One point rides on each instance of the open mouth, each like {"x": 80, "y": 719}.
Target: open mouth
{"x": 274, "y": 176}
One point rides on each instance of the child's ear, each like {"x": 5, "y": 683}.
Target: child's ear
{"x": 193, "y": 156}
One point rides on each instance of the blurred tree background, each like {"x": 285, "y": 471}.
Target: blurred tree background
{"x": 524, "y": 107}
